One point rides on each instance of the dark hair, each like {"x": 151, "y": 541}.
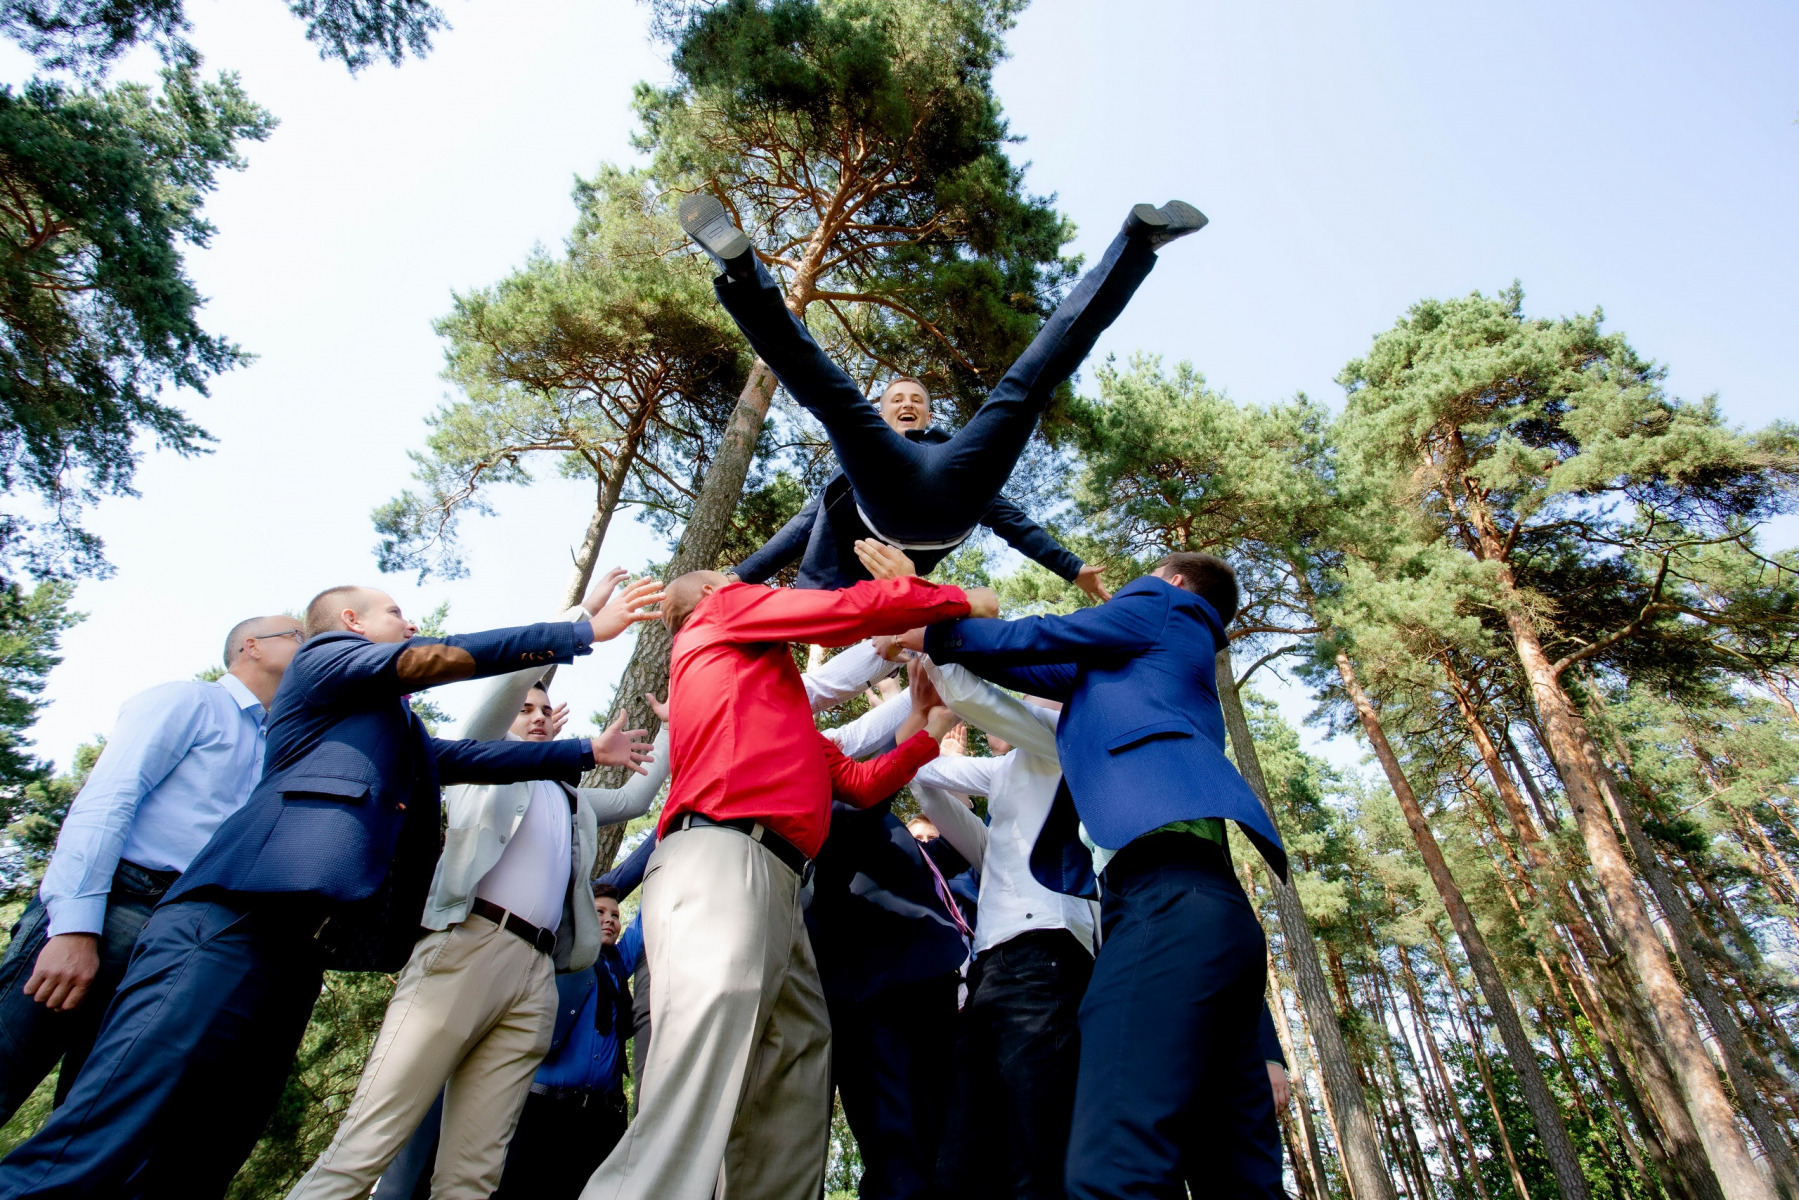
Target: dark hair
{"x": 1209, "y": 578}
{"x": 539, "y": 685}
{"x": 605, "y": 891}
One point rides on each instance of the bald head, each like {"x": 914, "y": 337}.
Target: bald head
{"x": 374, "y": 614}
{"x": 684, "y": 594}
{"x": 256, "y": 627}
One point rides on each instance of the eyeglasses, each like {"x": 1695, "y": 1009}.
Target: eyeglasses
{"x": 292, "y": 633}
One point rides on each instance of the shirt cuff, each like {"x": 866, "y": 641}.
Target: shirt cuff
{"x": 918, "y": 750}
{"x": 76, "y": 914}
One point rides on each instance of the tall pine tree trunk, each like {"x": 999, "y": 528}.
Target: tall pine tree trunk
{"x": 1570, "y": 745}
{"x": 1564, "y": 1161}
{"x": 611, "y": 487}
{"x": 1358, "y": 1142}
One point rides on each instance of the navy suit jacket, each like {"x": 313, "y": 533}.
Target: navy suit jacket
{"x": 875, "y": 918}
{"x": 346, "y": 815}
{"x": 823, "y": 536}
{"x": 1142, "y": 735}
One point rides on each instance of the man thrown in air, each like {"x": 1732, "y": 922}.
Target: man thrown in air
{"x": 902, "y": 480}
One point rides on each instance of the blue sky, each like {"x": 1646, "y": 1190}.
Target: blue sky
{"x": 1641, "y": 158}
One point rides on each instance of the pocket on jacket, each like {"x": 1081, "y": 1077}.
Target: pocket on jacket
{"x": 1145, "y": 733}
{"x": 323, "y": 787}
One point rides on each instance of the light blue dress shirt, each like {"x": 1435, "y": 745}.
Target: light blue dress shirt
{"x": 182, "y": 758}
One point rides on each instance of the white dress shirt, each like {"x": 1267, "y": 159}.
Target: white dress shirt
{"x": 1020, "y": 787}
{"x": 182, "y": 757}
{"x": 531, "y": 879}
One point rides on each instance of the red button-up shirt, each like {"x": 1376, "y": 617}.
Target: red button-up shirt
{"x": 741, "y": 738}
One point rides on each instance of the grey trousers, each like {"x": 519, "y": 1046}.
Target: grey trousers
{"x": 736, "y": 1098}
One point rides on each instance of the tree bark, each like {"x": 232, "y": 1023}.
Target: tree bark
{"x": 611, "y": 488}
{"x": 1300, "y": 1101}
{"x": 1478, "y": 1050}
{"x": 1570, "y": 744}
{"x": 1358, "y": 1143}
{"x": 1564, "y": 1161}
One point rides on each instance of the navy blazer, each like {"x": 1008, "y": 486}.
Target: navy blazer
{"x": 347, "y": 813}
{"x": 875, "y": 918}
{"x": 1142, "y": 735}
{"x": 823, "y": 536}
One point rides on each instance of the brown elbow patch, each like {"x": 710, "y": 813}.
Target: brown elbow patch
{"x": 427, "y": 666}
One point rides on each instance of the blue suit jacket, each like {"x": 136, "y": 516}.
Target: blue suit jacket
{"x": 1142, "y": 736}
{"x": 346, "y": 815}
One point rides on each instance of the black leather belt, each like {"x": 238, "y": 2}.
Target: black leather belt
{"x": 756, "y": 831}
{"x": 582, "y": 1097}
{"x": 531, "y": 935}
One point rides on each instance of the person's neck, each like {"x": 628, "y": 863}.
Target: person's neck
{"x": 261, "y": 683}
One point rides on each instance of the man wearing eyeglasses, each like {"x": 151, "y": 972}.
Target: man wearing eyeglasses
{"x": 182, "y": 758}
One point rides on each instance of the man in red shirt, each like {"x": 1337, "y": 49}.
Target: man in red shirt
{"x": 736, "y": 1093}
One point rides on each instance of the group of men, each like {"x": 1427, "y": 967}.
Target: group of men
{"x": 987, "y": 1035}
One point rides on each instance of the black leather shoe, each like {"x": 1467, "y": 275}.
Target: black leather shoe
{"x": 706, "y": 222}
{"x": 1160, "y": 226}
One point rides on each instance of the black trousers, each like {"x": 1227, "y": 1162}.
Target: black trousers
{"x": 1173, "y": 1089}
{"x": 1018, "y": 1047}
{"x": 558, "y": 1145}
{"x": 32, "y": 1038}
{"x": 189, "y": 1063}
{"x": 889, "y": 1058}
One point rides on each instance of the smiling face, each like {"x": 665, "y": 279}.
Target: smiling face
{"x": 906, "y": 405}
{"x": 533, "y": 721}
{"x": 607, "y": 909}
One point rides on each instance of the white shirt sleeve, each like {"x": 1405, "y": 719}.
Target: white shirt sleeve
{"x": 1029, "y": 727}
{"x": 961, "y": 774}
{"x": 954, "y": 820}
{"x": 845, "y": 675}
{"x": 874, "y": 731}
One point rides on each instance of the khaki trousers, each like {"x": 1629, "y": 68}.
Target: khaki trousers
{"x": 736, "y": 1097}
{"x": 474, "y": 1010}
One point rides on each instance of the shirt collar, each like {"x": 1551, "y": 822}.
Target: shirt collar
{"x": 240, "y": 692}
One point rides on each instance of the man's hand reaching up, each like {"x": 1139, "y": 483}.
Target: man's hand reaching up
{"x": 621, "y": 747}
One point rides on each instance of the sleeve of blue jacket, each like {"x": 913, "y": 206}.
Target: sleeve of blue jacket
{"x": 630, "y": 945}
{"x": 561, "y": 759}
{"x": 1127, "y": 624}
{"x": 1267, "y": 1040}
{"x": 628, "y": 875}
{"x": 787, "y": 544}
{"x": 1029, "y": 538}
{"x": 350, "y": 669}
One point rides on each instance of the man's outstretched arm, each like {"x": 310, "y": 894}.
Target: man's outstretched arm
{"x": 1034, "y": 542}
{"x": 1129, "y": 624}
{"x": 788, "y": 544}
{"x": 759, "y": 614}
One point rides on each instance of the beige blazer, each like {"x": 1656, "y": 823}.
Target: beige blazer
{"x": 484, "y": 816}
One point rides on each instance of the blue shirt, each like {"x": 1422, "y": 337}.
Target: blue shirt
{"x": 594, "y": 1059}
{"x": 182, "y": 758}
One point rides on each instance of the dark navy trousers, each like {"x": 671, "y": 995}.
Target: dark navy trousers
{"x": 960, "y": 478}
{"x": 890, "y": 1057}
{"x": 32, "y": 1038}
{"x": 189, "y": 1063}
{"x": 1173, "y": 1089}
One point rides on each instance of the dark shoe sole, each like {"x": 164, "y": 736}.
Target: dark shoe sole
{"x": 705, "y": 221}
{"x": 1162, "y": 225}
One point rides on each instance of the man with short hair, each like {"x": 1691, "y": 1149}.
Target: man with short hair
{"x": 182, "y": 757}
{"x": 903, "y": 482}
{"x": 475, "y": 1007}
{"x": 575, "y": 1113}
{"x": 1172, "y": 1090}
{"x": 326, "y": 865}
{"x": 736, "y": 1092}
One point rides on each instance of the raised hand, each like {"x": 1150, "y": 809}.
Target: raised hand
{"x": 626, "y": 609}
{"x": 558, "y": 718}
{"x": 883, "y": 561}
{"x": 982, "y": 602}
{"x": 601, "y": 591}
{"x": 1088, "y": 581}
{"x": 955, "y": 742}
{"x": 940, "y": 722}
{"x": 659, "y": 707}
{"x": 617, "y": 746}
{"x": 889, "y": 648}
